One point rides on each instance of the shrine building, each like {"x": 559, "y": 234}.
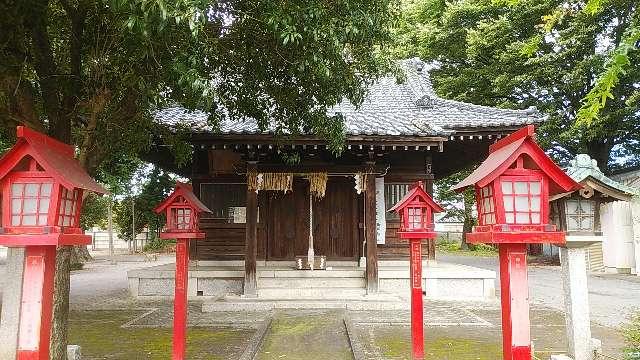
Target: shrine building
{"x": 262, "y": 208}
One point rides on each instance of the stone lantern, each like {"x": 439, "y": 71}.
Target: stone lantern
{"x": 42, "y": 191}
{"x": 578, "y": 214}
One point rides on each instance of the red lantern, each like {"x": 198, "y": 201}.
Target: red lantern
{"x": 182, "y": 209}
{"x": 512, "y": 188}
{"x": 416, "y": 210}
{"x": 42, "y": 190}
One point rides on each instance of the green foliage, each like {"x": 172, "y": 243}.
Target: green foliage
{"x": 448, "y": 246}
{"x": 158, "y": 245}
{"x": 154, "y": 188}
{"x": 455, "y": 247}
{"x": 615, "y": 67}
{"x": 543, "y": 53}
{"x": 94, "y": 212}
{"x": 101, "y": 68}
{"x": 282, "y": 63}
{"x": 632, "y": 338}
{"x": 458, "y": 206}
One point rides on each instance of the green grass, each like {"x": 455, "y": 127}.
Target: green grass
{"x": 478, "y": 250}
{"x": 399, "y": 347}
{"x": 100, "y": 335}
{"x": 632, "y": 338}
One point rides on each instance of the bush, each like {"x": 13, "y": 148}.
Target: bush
{"x": 448, "y": 246}
{"x": 632, "y": 338}
{"x": 484, "y": 248}
{"x": 159, "y": 245}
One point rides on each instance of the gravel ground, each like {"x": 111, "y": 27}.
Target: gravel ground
{"x": 613, "y": 298}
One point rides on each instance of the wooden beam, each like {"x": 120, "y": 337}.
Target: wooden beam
{"x": 370, "y": 231}
{"x": 251, "y": 241}
{"x": 431, "y": 244}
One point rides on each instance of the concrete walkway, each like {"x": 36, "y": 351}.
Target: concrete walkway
{"x": 613, "y": 298}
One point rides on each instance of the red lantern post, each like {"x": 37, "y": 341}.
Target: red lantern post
{"x": 182, "y": 209}
{"x": 42, "y": 190}
{"x": 416, "y": 223}
{"x": 512, "y": 188}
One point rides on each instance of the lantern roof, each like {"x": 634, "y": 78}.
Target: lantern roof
{"x": 186, "y": 191}
{"x": 585, "y": 170}
{"x": 504, "y": 153}
{"x": 55, "y": 157}
{"x": 417, "y": 191}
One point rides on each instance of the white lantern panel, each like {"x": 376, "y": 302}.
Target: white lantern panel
{"x": 16, "y": 206}
{"x": 44, "y": 206}
{"x": 508, "y": 203}
{"x": 16, "y": 189}
{"x": 572, "y": 207}
{"x": 32, "y": 190}
{"x": 573, "y": 223}
{"x": 535, "y": 218}
{"x": 30, "y": 205}
{"x": 534, "y": 187}
{"x": 522, "y": 218}
{"x": 45, "y": 190}
{"x": 521, "y": 187}
{"x": 522, "y": 203}
{"x": 509, "y": 218}
{"x": 15, "y": 220}
{"x": 507, "y": 187}
{"x": 29, "y": 220}
{"x": 535, "y": 203}
{"x": 42, "y": 219}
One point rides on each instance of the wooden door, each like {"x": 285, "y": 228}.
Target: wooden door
{"x": 335, "y": 222}
{"x": 287, "y": 222}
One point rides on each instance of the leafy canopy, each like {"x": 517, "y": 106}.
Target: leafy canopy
{"x": 558, "y": 55}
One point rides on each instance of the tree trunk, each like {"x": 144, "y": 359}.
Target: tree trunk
{"x": 600, "y": 150}
{"x": 469, "y": 221}
{"x": 58, "y": 346}
{"x": 80, "y": 255}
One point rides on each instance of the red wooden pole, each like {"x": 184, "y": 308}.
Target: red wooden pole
{"x": 417, "y": 336}
{"x": 180, "y": 301}
{"x": 37, "y": 301}
{"x": 516, "y": 339}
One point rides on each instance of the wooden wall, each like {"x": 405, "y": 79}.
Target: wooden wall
{"x": 283, "y": 226}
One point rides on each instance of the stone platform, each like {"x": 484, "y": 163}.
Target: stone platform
{"x": 342, "y": 285}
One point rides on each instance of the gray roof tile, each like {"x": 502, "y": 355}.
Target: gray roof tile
{"x": 410, "y": 108}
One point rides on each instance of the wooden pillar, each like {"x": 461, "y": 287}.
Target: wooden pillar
{"x": 370, "y": 231}
{"x": 251, "y": 240}
{"x": 431, "y": 243}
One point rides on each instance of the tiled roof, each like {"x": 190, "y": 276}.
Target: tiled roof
{"x": 583, "y": 167}
{"x": 410, "y": 108}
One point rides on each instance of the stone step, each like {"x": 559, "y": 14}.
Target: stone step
{"x": 302, "y": 283}
{"x": 311, "y": 293}
{"x": 290, "y": 273}
{"x": 246, "y": 305}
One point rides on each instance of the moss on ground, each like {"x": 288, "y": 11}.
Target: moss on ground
{"x": 101, "y": 336}
{"x": 309, "y": 336}
{"x": 632, "y": 339}
{"x": 397, "y": 346}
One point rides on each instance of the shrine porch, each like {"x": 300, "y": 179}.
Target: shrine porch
{"x": 342, "y": 285}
